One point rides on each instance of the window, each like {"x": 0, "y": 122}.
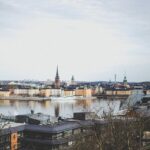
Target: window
{"x": 67, "y": 133}
{"x": 76, "y": 131}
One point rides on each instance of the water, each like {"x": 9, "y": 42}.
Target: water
{"x": 58, "y": 108}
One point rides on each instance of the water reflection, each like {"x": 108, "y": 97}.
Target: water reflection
{"x": 46, "y": 104}
{"x": 55, "y": 108}
{"x": 4, "y": 102}
{"x": 84, "y": 103}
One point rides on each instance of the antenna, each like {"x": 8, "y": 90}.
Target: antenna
{"x": 115, "y": 78}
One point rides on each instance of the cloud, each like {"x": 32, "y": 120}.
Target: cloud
{"x": 97, "y": 37}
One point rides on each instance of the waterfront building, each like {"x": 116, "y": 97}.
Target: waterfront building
{"x": 45, "y": 92}
{"x": 69, "y": 92}
{"x": 26, "y": 92}
{"x": 118, "y": 92}
{"x": 99, "y": 89}
{"x": 83, "y": 91}
{"x": 56, "y": 92}
{"x": 4, "y": 93}
{"x": 96, "y": 90}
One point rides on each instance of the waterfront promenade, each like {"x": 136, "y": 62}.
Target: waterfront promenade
{"x": 33, "y": 98}
{"x": 22, "y": 98}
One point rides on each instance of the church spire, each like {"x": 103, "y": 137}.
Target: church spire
{"x": 57, "y": 79}
{"x": 72, "y": 79}
{"x": 57, "y": 74}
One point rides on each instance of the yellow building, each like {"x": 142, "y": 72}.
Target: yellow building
{"x": 4, "y": 93}
{"x": 45, "y": 92}
{"x": 83, "y": 92}
{"x": 14, "y": 141}
{"x": 123, "y": 92}
{"x": 50, "y": 92}
{"x": 118, "y": 92}
{"x": 69, "y": 93}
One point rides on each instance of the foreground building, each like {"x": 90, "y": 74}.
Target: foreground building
{"x": 50, "y": 136}
{"x": 10, "y": 135}
{"x": 65, "y": 134}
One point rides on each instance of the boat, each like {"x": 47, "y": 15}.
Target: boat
{"x": 63, "y": 98}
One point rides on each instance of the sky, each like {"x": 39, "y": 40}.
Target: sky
{"x": 90, "y": 39}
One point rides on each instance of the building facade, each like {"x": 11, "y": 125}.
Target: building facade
{"x": 4, "y": 93}
{"x": 83, "y": 92}
{"x": 26, "y": 92}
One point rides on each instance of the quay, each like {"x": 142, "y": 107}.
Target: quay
{"x": 22, "y": 98}
{"x": 31, "y": 98}
{"x": 105, "y": 96}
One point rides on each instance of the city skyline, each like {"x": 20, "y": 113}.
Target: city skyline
{"x": 90, "y": 39}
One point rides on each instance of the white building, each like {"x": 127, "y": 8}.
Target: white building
{"x": 5, "y": 93}
{"x": 56, "y": 92}
{"x": 29, "y": 92}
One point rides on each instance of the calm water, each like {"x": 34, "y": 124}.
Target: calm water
{"x": 57, "y": 108}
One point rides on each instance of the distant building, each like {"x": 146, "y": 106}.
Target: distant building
{"x": 83, "y": 92}
{"x": 4, "y": 93}
{"x": 125, "y": 82}
{"x": 73, "y": 81}
{"x": 26, "y": 92}
{"x": 55, "y": 92}
{"x": 117, "y": 92}
{"x": 69, "y": 92}
{"x": 96, "y": 90}
{"x": 45, "y": 92}
{"x": 57, "y": 80}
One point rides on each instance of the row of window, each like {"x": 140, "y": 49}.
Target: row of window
{"x": 4, "y": 139}
{"x": 43, "y": 136}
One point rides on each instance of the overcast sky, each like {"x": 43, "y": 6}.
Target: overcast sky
{"x": 90, "y": 39}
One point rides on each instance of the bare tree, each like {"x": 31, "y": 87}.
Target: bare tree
{"x": 124, "y": 133}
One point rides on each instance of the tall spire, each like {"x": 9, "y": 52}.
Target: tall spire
{"x": 57, "y": 74}
{"x": 72, "y": 79}
{"x": 57, "y": 79}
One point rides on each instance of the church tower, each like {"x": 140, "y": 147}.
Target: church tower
{"x": 57, "y": 80}
{"x": 73, "y": 81}
{"x": 125, "y": 82}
